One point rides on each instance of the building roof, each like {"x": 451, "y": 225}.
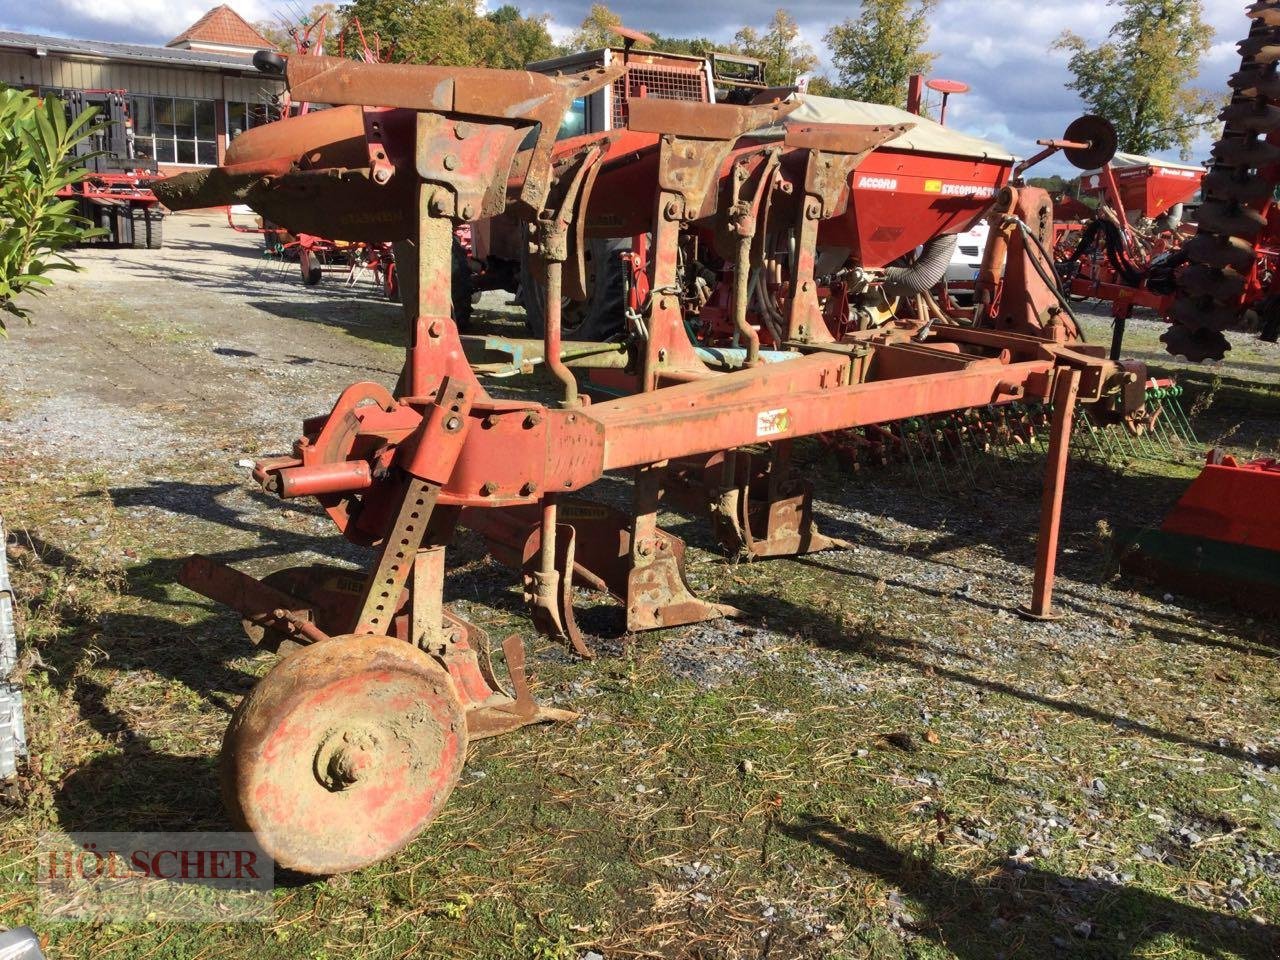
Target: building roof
{"x": 100, "y": 49}
{"x": 224, "y": 27}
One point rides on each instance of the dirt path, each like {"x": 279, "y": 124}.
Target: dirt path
{"x": 201, "y": 348}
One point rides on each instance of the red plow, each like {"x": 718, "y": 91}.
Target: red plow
{"x": 353, "y": 742}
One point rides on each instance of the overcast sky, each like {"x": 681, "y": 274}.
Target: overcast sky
{"x": 1000, "y": 47}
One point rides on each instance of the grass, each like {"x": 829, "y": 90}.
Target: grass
{"x": 878, "y": 760}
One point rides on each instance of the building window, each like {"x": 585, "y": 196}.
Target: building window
{"x": 245, "y": 116}
{"x": 174, "y": 130}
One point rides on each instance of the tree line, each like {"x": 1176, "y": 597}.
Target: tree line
{"x": 1140, "y": 77}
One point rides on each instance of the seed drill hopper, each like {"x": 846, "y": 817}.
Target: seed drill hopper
{"x": 352, "y": 743}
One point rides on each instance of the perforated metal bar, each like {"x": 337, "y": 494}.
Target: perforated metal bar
{"x": 659, "y": 83}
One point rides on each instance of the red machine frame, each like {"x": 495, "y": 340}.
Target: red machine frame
{"x": 399, "y": 472}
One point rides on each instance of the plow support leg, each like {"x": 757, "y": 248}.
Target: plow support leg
{"x": 657, "y": 593}
{"x": 1055, "y": 478}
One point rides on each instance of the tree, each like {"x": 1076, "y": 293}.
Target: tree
{"x": 1139, "y": 79}
{"x": 37, "y": 145}
{"x": 452, "y": 32}
{"x": 595, "y": 30}
{"x": 281, "y": 32}
{"x": 785, "y": 55}
{"x": 694, "y": 46}
{"x": 506, "y": 38}
{"x": 877, "y": 52}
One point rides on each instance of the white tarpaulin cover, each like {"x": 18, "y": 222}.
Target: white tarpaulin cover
{"x": 926, "y": 136}
{"x": 1133, "y": 160}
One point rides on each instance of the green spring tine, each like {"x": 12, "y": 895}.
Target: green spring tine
{"x": 955, "y": 449}
{"x": 1081, "y": 430}
{"x": 1177, "y": 419}
{"x": 982, "y": 438}
{"x": 1155, "y": 401}
{"x": 1172, "y": 428}
{"x": 1101, "y": 436}
{"x": 937, "y": 454}
{"x": 895, "y": 430}
{"x": 1044, "y": 413}
{"x": 1148, "y": 443}
{"x": 1186, "y": 424}
{"x": 1010, "y": 434}
{"x": 1079, "y": 445}
{"x": 929, "y": 455}
{"x": 1114, "y": 443}
{"x": 1160, "y": 426}
{"x": 951, "y": 428}
{"x": 899, "y": 430}
{"x": 905, "y": 437}
{"x": 1130, "y": 440}
{"x": 1097, "y": 433}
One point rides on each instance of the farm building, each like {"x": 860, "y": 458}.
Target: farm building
{"x": 187, "y": 100}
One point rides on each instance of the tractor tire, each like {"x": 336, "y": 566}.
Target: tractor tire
{"x": 155, "y": 230}
{"x": 602, "y": 315}
{"x": 137, "y": 228}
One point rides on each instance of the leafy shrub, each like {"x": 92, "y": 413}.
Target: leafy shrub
{"x": 37, "y": 160}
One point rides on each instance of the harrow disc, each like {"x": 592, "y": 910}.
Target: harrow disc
{"x": 1265, "y": 13}
{"x": 1213, "y": 282}
{"x": 1256, "y": 81}
{"x": 343, "y": 753}
{"x": 1238, "y": 204}
{"x": 1264, "y": 48}
{"x": 1236, "y": 184}
{"x": 1231, "y": 219}
{"x": 1215, "y": 251}
{"x": 1195, "y": 345}
{"x": 1247, "y": 153}
{"x": 1205, "y": 313}
{"x": 1252, "y": 115}
{"x": 1101, "y": 137}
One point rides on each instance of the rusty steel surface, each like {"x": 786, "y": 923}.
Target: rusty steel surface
{"x": 522, "y": 98}
{"x": 763, "y": 511}
{"x": 343, "y": 753}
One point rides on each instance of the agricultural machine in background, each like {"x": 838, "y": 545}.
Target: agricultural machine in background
{"x": 115, "y": 193}
{"x": 1232, "y": 281}
{"x": 1225, "y": 273}
{"x": 1129, "y": 251}
{"x": 319, "y": 255}
{"x": 1222, "y": 538}
{"x": 352, "y": 743}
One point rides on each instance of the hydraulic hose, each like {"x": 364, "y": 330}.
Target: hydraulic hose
{"x": 927, "y": 271}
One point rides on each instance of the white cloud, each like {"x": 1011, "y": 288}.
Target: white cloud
{"x": 999, "y": 47}
{"x": 138, "y": 21}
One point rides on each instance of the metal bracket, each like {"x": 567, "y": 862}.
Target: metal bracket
{"x": 430, "y": 463}
{"x": 833, "y": 153}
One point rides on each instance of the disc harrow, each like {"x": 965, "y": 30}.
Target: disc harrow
{"x": 1232, "y": 283}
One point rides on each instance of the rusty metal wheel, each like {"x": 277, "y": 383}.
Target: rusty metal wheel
{"x": 343, "y": 753}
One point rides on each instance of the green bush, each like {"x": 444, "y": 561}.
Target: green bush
{"x": 36, "y": 161}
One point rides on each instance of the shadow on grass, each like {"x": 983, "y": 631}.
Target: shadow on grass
{"x": 825, "y": 631}
{"x": 1011, "y": 909}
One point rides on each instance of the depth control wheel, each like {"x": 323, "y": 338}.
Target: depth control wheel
{"x": 343, "y": 753}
